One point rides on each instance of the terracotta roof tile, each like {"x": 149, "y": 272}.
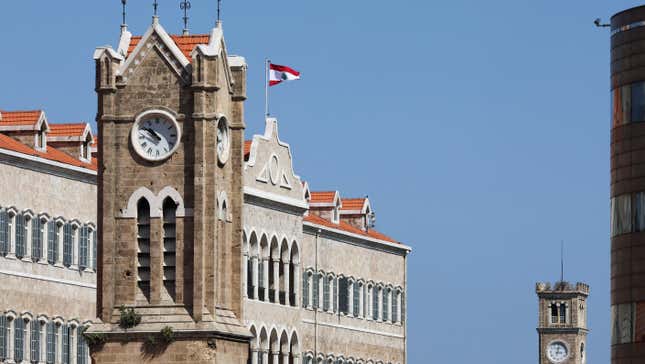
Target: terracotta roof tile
{"x": 186, "y": 43}
{"x": 18, "y": 118}
{"x": 322, "y": 196}
{"x": 314, "y": 219}
{"x": 75, "y": 129}
{"x": 51, "y": 154}
{"x": 352, "y": 204}
{"x": 247, "y": 149}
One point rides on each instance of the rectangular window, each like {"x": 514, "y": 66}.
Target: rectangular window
{"x": 621, "y": 215}
{"x": 343, "y": 295}
{"x": 3, "y": 337}
{"x": 66, "y": 341}
{"x": 4, "y": 232}
{"x": 375, "y": 303}
{"x": 18, "y": 335}
{"x": 639, "y": 221}
{"x": 563, "y": 313}
{"x": 83, "y": 246}
{"x": 36, "y": 239}
{"x": 326, "y": 293}
{"x": 554, "y": 313}
{"x": 52, "y": 252}
{"x": 67, "y": 244}
{"x": 51, "y": 342}
{"x": 305, "y": 289}
{"x": 316, "y": 296}
{"x": 386, "y": 302}
{"x": 357, "y": 302}
{"x": 35, "y": 341}
{"x": 81, "y": 347}
{"x": 20, "y": 235}
{"x": 638, "y": 102}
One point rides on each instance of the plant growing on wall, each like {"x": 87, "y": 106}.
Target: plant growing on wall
{"x": 129, "y": 318}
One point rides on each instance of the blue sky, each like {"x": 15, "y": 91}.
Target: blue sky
{"x": 479, "y": 129}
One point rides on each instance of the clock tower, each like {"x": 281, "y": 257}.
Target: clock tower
{"x": 171, "y": 144}
{"x": 562, "y": 323}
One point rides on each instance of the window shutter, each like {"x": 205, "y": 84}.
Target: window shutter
{"x": 343, "y": 301}
{"x": 385, "y": 304}
{"x": 305, "y": 289}
{"x": 325, "y": 294}
{"x": 4, "y": 233}
{"x": 35, "y": 340}
{"x": 18, "y": 334}
{"x": 316, "y": 296}
{"x": 375, "y": 303}
{"x": 357, "y": 303}
{"x": 82, "y": 246}
{"x": 36, "y": 238}
{"x": 3, "y": 337}
{"x": 51, "y": 342}
{"x": 81, "y": 346}
{"x": 402, "y": 307}
{"x": 51, "y": 242}
{"x": 94, "y": 242}
{"x": 67, "y": 244}
{"x": 66, "y": 348}
{"x": 20, "y": 235}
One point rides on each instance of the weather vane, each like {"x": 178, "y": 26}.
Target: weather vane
{"x": 155, "y": 5}
{"x": 185, "y": 6}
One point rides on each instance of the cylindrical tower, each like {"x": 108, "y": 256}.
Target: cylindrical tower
{"x": 628, "y": 186}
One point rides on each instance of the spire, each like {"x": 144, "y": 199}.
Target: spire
{"x": 124, "y": 25}
{"x": 155, "y": 18}
{"x": 219, "y": 13}
{"x": 185, "y": 6}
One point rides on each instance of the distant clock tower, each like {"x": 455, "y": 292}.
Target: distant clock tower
{"x": 562, "y": 326}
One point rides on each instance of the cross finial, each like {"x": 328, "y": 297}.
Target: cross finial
{"x": 124, "y": 3}
{"x": 185, "y": 6}
{"x": 155, "y": 5}
{"x": 219, "y": 11}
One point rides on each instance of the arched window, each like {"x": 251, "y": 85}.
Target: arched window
{"x": 143, "y": 247}
{"x": 169, "y": 245}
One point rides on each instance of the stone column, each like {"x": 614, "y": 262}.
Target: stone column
{"x": 59, "y": 327}
{"x": 59, "y": 245}
{"x": 379, "y": 300}
{"x": 254, "y": 278}
{"x": 350, "y": 298}
{"x": 361, "y": 290}
{"x": 285, "y": 268}
{"x": 44, "y": 243}
{"x": 73, "y": 337}
{"x": 296, "y": 284}
{"x": 11, "y": 324}
{"x": 75, "y": 231}
{"x": 265, "y": 357}
{"x": 26, "y": 342}
{"x": 245, "y": 270}
{"x": 43, "y": 342}
{"x": 90, "y": 251}
{"x": 254, "y": 356}
{"x": 310, "y": 292}
{"x": 265, "y": 268}
{"x": 12, "y": 237}
{"x": 285, "y": 358}
{"x": 27, "y": 236}
{"x": 276, "y": 357}
{"x": 276, "y": 280}
{"x": 296, "y": 358}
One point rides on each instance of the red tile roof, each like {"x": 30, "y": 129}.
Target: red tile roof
{"x": 19, "y": 118}
{"x": 352, "y": 204}
{"x": 75, "y": 129}
{"x": 186, "y": 43}
{"x": 314, "y": 219}
{"x": 247, "y": 149}
{"x": 51, "y": 154}
{"x": 323, "y": 197}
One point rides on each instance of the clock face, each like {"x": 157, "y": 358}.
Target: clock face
{"x": 155, "y": 136}
{"x": 222, "y": 141}
{"x": 557, "y": 352}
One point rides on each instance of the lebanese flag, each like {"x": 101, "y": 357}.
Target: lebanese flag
{"x": 278, "y": 73}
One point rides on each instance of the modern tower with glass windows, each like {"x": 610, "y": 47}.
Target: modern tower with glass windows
{"x": 628, "y": 186}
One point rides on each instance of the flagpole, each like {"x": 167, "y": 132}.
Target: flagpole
{"x": 266, "y": 86}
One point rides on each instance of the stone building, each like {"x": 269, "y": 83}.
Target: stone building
{"x": 170, "y": 212}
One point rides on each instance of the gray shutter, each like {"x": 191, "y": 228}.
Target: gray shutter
{"x": 66, "y": 348}
{"x": 67, "y": 244}
{"x": 20, "y": 235}
{"x": 35, "y": 340}
{"x": 18, "y": 334}
{"x": 335, "y": 293}
{"x": 3, "y": 337}
{"x": 4, "y": 233}
{"x": 94, "y": 242}
{"x": 316, "y": 295}
{"x": 51, "y": 342}
{"x": 51, "y": 242}
{"x": 81, "y": 346}
{"x": 305, "y": 289}
{"x": 82, "y": 246}
{"x": 36, "y": 239}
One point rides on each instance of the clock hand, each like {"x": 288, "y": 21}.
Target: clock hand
{"x": 153, "y": 133}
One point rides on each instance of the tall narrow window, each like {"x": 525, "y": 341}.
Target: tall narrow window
{"x": 83, "y": 246}
{"x": 3, "y": 337}
{"x": 386, "y": 303}
{"x": 94, "y": 242}
{"x": 36, "y": 239}
{"x": 326, "y": 293}
{"x": 305, "y": 289}
{"x": 563, "y": 313}
{"x": 67, "y": 244}
{"x": 143, "y": 247}
{"x": 261, "y": 279}
{"x": 554, "y": 313}
{"x": 18, "y": 339}
{"x": 52, "y": 251}
{"x": 35, "y": 341}
{"x": 639, "y": 221}
{"x": 316, "y": 296}
{"x": 20, "y": 235}
{"x": 81, "y": 346}
{"x": 395, "y": 306}
{"x": 356, "y": 303}
{"x": 66, "y": 343}
{"x": 51, "y": 342}
{"x": 249, "y": 278}
{"x": 375, "y": 303}
{"x": 169, "y": 245}
{"x": 343, "y": 298}
{"x": 4, "y": 232}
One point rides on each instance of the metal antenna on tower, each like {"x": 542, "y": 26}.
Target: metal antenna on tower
{"x": 185, "y": 6}
{"x": 561, "y": 260}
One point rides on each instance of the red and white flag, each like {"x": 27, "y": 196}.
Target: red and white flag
{"x": 278, "y": 73}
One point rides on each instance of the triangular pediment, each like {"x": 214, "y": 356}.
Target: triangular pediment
{"x": 157, "y": 40}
